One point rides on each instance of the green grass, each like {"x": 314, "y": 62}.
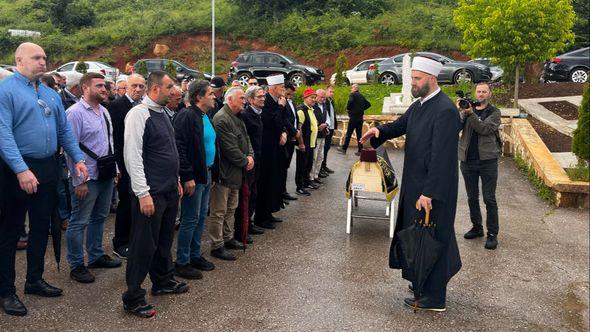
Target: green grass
{"x": 543, "y": 191}
{"x": 579, "y": 173}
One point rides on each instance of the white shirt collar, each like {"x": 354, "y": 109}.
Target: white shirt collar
{"x": 152, "y": 104}
{"x": 430, "y": 96}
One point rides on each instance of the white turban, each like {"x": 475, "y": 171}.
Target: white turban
{"x": 275, "y": 79}
{"x": 427, "y": 65}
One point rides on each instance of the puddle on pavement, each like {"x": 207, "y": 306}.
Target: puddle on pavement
{"x": 575, "y": 309}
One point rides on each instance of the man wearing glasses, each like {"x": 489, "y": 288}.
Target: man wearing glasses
{"x": 32, "y": 125}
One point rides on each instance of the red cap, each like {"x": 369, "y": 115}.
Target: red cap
{"x": 308, "y": 92}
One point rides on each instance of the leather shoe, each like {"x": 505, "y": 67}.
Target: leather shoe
{"x": 303, "y": 192}
{"x": 81, "y": 274}
{"x": 491, "y": 242}
{"x": 233, "y": 244}
{"x": 105, "y": 261}
{"x": 255, "y": 230}
{"x": 424, "y": 304}
{"x": 329, "y": 171}
{"x": 42, "y": 288}
{"x": 202, "y": 264}
{"x": 12, "y": 305}
{"x": 322, "y": 175}
{"x": 317, "y": 181}
{"x": 187, "y": 271}
{"x": 266, "y": 224}
{"x": 473, "y": 233}
{"x": 289, "y": 197}
{"x": 223, "y": 253}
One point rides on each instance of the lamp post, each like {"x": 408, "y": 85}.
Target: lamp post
{"x": 212, "y": 38}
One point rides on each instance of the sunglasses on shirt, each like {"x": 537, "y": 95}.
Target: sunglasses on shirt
{"x": 46, "y": 108}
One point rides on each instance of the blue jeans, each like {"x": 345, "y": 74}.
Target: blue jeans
{"x": 88, "y": 214}
{"x": 193, "y": 211}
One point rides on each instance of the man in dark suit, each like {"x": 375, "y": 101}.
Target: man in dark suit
{"x": 357, "y": 104}
{"x": 118, "y": 110}
{"x": 290, "y": 117}
{"x": 72, "y": 91}
{"x": 332, "y": 125}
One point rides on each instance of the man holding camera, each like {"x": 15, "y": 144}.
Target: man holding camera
{"x": 479, "y": 149}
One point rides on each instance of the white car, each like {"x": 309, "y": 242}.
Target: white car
{"x": 358, "y": 74}
{"x": 93, "y": 66}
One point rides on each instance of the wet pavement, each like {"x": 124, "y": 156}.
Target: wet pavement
{"x": 309, "y": 275}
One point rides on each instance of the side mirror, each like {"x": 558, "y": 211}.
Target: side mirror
{"x": 283, "y": 63}
{"x": 179, "y": 69}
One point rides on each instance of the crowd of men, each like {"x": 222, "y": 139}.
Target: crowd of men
{"x": 74, "y": 149}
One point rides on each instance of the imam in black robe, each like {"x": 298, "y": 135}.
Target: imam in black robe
{"x": 269, "y": 184}
{"x": 430, "y": 169}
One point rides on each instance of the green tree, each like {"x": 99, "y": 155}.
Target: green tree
{"x": 340, "y": 68}
{"x": 67, "y": 15}
{"x": 81, "y": 67}
{"x": 515, "y": 32}
{"x": 581, "y": 141}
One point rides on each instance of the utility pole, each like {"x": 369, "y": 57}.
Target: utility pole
{"x": 212, "y": 38}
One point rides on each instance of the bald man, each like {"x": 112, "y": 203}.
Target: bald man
{"x": 32, "y": 125}
{"x": 118, "y": 109}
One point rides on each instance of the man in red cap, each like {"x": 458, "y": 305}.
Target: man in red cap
{"x": 308, "y": 126}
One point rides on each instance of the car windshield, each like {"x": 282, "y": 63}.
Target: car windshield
{"x": 102, "y": 64}
{"x": 288, "y": 59}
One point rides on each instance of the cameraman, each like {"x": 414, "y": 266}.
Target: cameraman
{"x": 479, "y": 149}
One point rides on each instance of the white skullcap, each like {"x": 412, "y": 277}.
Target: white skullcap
{"x": 275, "y": 79}
{"x": 427, "y": 65}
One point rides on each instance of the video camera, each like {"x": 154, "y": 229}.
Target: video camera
{"x": 465, "y": 102}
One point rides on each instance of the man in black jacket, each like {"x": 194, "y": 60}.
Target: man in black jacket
{"x": 332, "y": 126}
{"x": 72, "y": 92}
{"x": 290, "y": 117}
{"x": 118, "y": 110}
{"x": 357, "y": 104}
{"x": 479, "y": 149}
{"x": 195, "y": 141}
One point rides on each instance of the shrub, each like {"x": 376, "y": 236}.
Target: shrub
{"x": 340, "y": 68}
{"x": 581, "y": 141}
{"x": 81, "y": 67}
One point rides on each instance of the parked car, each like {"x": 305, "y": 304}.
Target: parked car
{"x": 572, "y": 66}
{"x": 390, "y": 69}
{"x": 92, "y": 66}
{"x": 10, "y": 68}
{"x": 358, "y": 73}
{"x": 262, "y": 64}
{"x": 182, "y": 71}
{"x": 497, "y": 71}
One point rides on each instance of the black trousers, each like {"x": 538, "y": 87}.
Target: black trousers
{"x": 303, "y": 166}
{"x": 149, "y": 246}
{"x": 123, "y": 213}
{"x": 13, "y": 208}
{"x": 327, "y": 146}
{"x": 487, "y": 170}
{"x": 288, "y": 150}
{"x": 252, "y": 179}
{"x": 354, "y": 125}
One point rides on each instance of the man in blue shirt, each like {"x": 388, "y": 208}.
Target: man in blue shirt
{"x": 32, "y": 125}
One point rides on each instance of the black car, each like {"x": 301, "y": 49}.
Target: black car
{"x": 390, "y": 69}
{"x": 263, "y": 64}
{"x": 572, "y": 66}
{"x": 182, "y": 71}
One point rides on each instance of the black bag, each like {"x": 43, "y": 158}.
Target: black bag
{"x": 106, "y": 165}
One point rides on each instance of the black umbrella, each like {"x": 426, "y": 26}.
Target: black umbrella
{"x": 55, "y": 229}
{"x": 420, "y": 250}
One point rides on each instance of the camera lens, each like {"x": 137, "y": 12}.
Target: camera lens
{"x": 464, "y": 104}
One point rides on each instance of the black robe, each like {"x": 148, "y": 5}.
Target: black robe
{"x": 430, "y": 169}
{"x": 269, "y": 184}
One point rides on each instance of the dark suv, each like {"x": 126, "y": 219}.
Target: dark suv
{"x": 572, "y": 66}
{"x": 182, "y": 71}
{"x": 263, "y": 64}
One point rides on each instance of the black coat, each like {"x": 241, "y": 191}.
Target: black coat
{"x": 118, "y": 110}
{"x": 289, "y": 115}
{"x": 66, "y": 99}
{"x": 430, "y": 169}
{"x": 253, "y": 124}
{"x": 269, "y": 185}
{"x": 356, "y": 106}
{"x": 190, "y": 142}
{"x": 330, "y": 103}
{"x": 321, "y": 116}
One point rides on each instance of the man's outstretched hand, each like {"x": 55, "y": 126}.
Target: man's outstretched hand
{"x": 370, "y": 133}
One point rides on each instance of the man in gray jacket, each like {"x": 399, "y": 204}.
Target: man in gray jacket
{"x": 235, "y": 158}
{"x": 479, "y": 150}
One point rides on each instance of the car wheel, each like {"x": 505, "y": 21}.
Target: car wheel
{"x": 388, "y": 79}
{"x": 579, "y": 75}
{"x": 243, "y": 78}
{"x": 297, "y": 79}
{"x": 346, "y": 81}
{"x": 461, "y": 75}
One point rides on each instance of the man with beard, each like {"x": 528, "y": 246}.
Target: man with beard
{"x": 430, "y": 179}
{"x": 32, "y": 126}
{"x": 255, "y": 97}
{"x": 151, "y": 158}
{"x": 91, "y": 197}
{"x": 273, "y": 136}
{"x": 118, "y": 110}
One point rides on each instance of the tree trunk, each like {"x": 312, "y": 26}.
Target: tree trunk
{"x": 516, "y": 81}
